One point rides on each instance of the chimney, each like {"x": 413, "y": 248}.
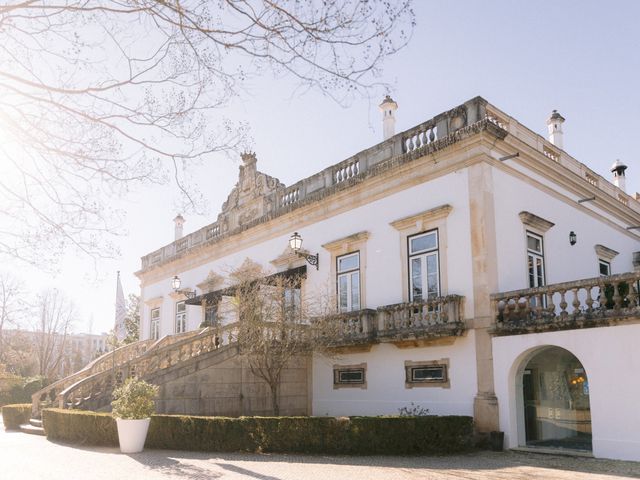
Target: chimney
{"x": 179, "y": 221}
{"x": 554, "y": 125}
{"x": 388, "y": 107}
{"x": 619, "y": 178}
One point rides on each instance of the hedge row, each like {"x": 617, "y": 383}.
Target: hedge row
{"x": 80, "y": 427}
{"x": 328, "y": 435}
{"x": 15, "y": 415}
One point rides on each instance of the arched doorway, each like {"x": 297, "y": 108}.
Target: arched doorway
{"x": 555, "y": 395}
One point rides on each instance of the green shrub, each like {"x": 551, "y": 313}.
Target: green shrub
{"x": 134, "y": 400}
{"x": 15, "y": 415}
{"x": 321, "y": 435}
{"x": 80, "y": 427}
{"x": 21, "y": 393}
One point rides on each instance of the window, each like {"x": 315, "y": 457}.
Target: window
{"x": 292, "y": 302}
{"x": 433, "y": 373}
{"x": 424, "y": 275}
{"x": 535, "y": 260}
{"x": 181, "y": 317}
{"x": 210, "y": 315}
{"x": 345, "y": 376}
{"x": 605, "y": 268}
{"x": 348, "y": 279}
{"x": 155, "y": 324}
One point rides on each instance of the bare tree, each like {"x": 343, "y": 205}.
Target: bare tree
{"x": 12, "y": 306}
{"x": 57, "y": 315}
{"x": 97, "y": 97}
{"x": 132, "y": 319}
{"x": 275, "y": 324}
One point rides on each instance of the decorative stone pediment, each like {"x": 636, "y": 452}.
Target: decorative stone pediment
{"x": 253, "y": 196}
{"x": 534, "y": 221}
{"x": 605, "y": 253}
{"x": 212, "y": 283}
{"x": 287, "y": 260}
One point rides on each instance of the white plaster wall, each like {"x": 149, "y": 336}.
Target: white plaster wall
{"x": 563, "y": 262}
{"x": 385, "y": 376}
{"x": 611, "y": 360}
{"x": 383, "y": 274}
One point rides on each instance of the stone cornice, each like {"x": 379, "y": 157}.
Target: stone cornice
{"x": 426, "y": 216}
{"x": 605, "y": 253}
{"x": 536, "y": 222}
{"x": 349, "y": 240}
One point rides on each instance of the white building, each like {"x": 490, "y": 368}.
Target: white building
{"x": 479, "y": 261}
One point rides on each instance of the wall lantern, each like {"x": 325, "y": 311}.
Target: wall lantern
{"x": 295, "y": 242}
{"x": 175, "y": 284}
{"x": 572, "y": 238}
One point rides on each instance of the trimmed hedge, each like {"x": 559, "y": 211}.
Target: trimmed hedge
{"x": 15, "y": 415}
{"x": 326, "y": 435}
{"x": 80, "y": 427}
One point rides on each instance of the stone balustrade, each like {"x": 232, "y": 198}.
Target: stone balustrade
{"x": 591, "y": 302}
{"x": 94, "y": 391}
{"x": 437, "y": 317}
{"x": 109, "y": 360}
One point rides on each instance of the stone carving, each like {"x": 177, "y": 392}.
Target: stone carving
{"x": 251, "y": 198}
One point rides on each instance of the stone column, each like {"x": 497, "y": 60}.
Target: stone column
{"x": 485, "y": 282}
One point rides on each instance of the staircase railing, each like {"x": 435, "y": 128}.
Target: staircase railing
{"x": 94, "y": 392}
{"x": 109, "y": 360}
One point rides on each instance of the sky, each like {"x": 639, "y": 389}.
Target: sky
{"x": 526, "y": 58}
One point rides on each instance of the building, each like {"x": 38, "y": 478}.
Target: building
{"x": 61, "y": 355}
{"x": 479, "y": 269}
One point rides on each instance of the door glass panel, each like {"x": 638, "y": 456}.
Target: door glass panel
{"x": 416, "y": 279}
{"x": 432, "y": 275}
{"x": 355, "y": 291}
{"x": 348, "y": 262}
{"x": 343, "y": 294}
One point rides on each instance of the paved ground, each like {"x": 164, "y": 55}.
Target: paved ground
{"x": 32, "y": 457}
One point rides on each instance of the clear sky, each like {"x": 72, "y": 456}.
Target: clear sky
{"x": 527, "y": 58}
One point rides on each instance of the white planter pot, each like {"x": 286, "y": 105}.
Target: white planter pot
{"x": 132, "y": 434}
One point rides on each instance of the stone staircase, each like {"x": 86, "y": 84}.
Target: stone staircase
{"x": 91, "y": 388}
{"x": 34, "y": 427}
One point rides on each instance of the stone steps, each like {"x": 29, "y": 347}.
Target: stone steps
{"x": 34, "y": 427}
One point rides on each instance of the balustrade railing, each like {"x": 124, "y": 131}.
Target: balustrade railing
{"x": 419, "y": 136}
{"x": 108, "y": 361}
{"x": 95, "y": 390}
{"x": 584, "y": 303}
{"x": 436, "y": 316}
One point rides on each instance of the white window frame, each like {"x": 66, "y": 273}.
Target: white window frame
{"x": 349, "y": 275}
{"x": 181, "y": 317}
{"x": 605, "y": 263}
{"x": 533, "y": 277}
{"x": 155, "y": 324}
{"x": 423, "y": 256}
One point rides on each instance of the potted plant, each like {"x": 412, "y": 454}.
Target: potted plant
{"x": 132, "y": 405}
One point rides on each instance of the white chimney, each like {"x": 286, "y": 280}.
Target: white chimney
{"x": 554, "y": 124}
{"x": 179, "y": 221}
{"x": 388, "y": 107}
{"x": 619, "y": 178}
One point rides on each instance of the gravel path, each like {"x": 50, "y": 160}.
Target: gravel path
{"x": 32, "y": 457}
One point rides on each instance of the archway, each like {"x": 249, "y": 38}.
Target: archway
{"x": 554, "y": 400}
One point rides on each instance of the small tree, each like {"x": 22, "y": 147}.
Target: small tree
{"x": 132, "y": 319}
{"x": 275, "y": 324}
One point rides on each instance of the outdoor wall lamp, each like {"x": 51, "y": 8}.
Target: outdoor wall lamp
{"x": 295, "y": 242}
{"x": 572, "y": 238}
{"x": 175, "y": 284}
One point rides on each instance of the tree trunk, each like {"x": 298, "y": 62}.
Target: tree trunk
{"x": 274, "y": 399}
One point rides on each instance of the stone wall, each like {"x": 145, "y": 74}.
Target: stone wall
{"x": 226, "y": 387}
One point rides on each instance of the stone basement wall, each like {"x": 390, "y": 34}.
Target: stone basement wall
{"x": 228, "y": 388}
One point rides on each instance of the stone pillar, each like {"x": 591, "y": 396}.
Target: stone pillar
{"x": 485, "y": 282}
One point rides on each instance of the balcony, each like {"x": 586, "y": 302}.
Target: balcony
{"x": 588, "y": 303}
{"x": 400, "y": 323}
